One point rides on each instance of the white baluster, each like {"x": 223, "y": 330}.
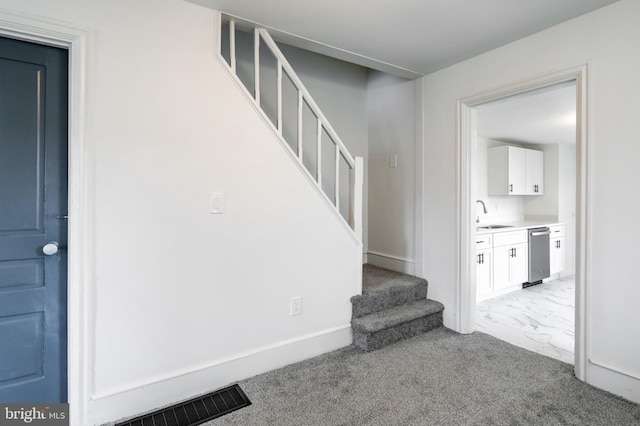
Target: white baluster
{"x": 300, "y": 107}
{"x": 279, "y": 97}
{"x": 336, "y": 183}
{"x": 218, "y": 32}
{"x": 232, "y": 44}
{"x": 256, "y": 61}
{"x": 319, "y": 154}
{"x": 356, "y": 180}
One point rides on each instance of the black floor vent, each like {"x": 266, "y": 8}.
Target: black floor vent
{"x": 195, "y": 411}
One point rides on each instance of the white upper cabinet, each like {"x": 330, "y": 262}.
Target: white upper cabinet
{"x": 515, "y": 171}
{"x": 534, "y": 170}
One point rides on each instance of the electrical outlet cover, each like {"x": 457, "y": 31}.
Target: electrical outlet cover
{"x": 296, "y": 306}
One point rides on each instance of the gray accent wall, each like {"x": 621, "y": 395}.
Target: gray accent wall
{"x": 392, "y": 117}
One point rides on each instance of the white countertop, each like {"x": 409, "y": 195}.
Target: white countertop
{"x": 513, "y": 226}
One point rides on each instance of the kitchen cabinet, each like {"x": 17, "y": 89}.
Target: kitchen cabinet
{"x": 484, "y": 268}
{"x": 502, "y": 259}
{"x": 556, "y": 249}
{"x": 510, "y": 259}
{"x": 534, "y": 172}
{"x": 515, "y": 171}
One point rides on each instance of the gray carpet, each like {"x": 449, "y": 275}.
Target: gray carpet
{"x": 438, "y": 378}
{"x": 379, "y": 279}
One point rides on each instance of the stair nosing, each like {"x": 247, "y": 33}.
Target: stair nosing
{"x": 386, "y": 298}
{"x": 430, "y": 307}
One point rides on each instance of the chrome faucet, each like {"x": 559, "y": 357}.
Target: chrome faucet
{"x": 484, "y": 208}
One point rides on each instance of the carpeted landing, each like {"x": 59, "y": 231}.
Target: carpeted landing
{"x": 437, "y": 378}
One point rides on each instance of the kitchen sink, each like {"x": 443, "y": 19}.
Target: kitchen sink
{"x": 494, "y": 226}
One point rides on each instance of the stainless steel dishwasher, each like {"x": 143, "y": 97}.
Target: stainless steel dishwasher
{"x": 538, "y": 256}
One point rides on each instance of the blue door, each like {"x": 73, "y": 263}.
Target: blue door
{"x": 33, "y": 209}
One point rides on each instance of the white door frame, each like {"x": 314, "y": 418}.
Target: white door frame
{"x": 79, "y": 300}
{"x": 465, "y": 139}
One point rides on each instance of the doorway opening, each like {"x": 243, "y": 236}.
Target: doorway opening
{"x": 468, "y": 170}
{"x": 540, "y": 124}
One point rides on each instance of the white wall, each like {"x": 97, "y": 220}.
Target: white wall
{"x": 391, "y": 109}
{"x": 606, "y": 40}
{"x": 181, "y": 301}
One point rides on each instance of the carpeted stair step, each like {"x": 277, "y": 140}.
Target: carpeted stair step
{"x": 382, "y": 328}
{"x": 383, "y": 289}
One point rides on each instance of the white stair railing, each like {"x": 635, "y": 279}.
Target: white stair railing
{"x": 283, "y": 68}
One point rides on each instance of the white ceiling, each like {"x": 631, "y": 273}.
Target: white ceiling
{"x": 544, "y": 116}
{"x": 412, "y": 37}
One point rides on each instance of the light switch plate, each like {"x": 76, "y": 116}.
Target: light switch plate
{"x": 393, "y": 161}
{"x": 216, "y": 203}
{"x": 296, "y": 306}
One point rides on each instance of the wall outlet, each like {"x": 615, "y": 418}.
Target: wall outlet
{"x": 393, "y": 161}
{"x": 296, "y": 306}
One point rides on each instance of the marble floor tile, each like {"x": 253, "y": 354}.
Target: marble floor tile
{"x": 539, "y": 318}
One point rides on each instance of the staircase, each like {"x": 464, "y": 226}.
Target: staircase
{"x": 258, "y": 66}
{"x": 393, "y": 306}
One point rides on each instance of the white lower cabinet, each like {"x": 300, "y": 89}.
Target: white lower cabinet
{"x": 510, "y": 265}
{"x": 484, "y": 268}
{"x": 556, "y": 249}
{"x": 503, "y": 267}
{"x": 503, "y": 260}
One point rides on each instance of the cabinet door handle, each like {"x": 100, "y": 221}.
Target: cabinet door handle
{"x": 558, "y": 243}
{"x": 482, "y": 258}
{"x": 510, "y": 187}
{"x": 481, "y": 241}
{"x": 515, "y": 254}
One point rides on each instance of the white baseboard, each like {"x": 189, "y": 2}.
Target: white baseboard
{"x": 614, "y": 381}
{"x": 141, "y": 398}
{"x": 393, "y": 263}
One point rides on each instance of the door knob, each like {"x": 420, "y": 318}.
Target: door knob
{"x": 51, "y": 248}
